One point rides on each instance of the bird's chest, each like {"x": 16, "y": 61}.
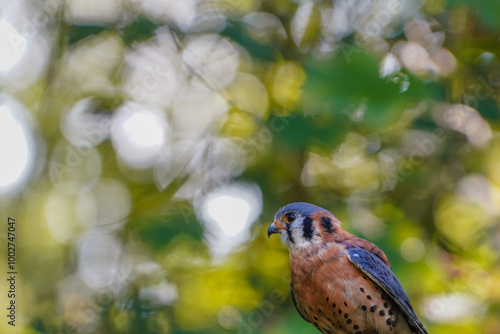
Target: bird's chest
{"x": 326, "y": 299}
{"x": 336, "y": 298}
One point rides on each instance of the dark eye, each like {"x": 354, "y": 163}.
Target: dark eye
{"x": 290, "y": 217}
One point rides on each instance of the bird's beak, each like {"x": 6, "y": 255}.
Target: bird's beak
{"x": 274, "y": 228}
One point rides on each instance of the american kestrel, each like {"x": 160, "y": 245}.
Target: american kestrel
{"x": 339, "y": 282}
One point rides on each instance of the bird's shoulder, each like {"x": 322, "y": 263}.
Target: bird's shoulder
{"x": 348, "y": 241}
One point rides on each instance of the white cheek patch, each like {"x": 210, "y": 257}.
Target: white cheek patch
{"x": 284, "y": 238}
{"x": 300, "y": 241}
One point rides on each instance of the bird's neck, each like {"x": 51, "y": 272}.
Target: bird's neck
{"x": 304, "y": 260}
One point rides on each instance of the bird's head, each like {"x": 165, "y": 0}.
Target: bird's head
{"x": 301, "y": 224}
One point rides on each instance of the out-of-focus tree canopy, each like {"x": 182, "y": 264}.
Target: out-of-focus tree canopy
{"x": 146, "y": 145}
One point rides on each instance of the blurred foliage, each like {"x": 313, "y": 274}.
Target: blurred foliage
{"x": 146, "y": 113}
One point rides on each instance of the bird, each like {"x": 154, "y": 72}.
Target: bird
{"x": 340, "y": 283}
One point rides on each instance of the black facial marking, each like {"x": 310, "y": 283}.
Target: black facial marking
{"x": 308, "y": 228}
{"x": 326, "y": 222}
{"x": 290, "y": 236}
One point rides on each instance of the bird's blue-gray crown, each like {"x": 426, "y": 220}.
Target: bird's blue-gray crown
{"x": 305, "y": 209}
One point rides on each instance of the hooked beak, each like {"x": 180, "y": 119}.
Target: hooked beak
{"x": 274, "y": 228}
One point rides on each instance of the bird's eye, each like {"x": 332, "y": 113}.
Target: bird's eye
{"x": 290, "y": 217}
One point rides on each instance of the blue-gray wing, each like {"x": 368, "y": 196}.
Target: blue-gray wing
{"x": 382, "y": 275}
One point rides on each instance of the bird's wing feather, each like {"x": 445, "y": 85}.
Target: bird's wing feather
{"x": 382, "y": 275}
{"x": 297, "y": 305}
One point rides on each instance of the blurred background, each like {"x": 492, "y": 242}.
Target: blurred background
{"x": 145, "y": 146}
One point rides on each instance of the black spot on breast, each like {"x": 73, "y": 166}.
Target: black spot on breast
{"x": 345, "y": 304}
{"x": 307, "y": 228}
{"x": 362, "y": 289}
{"x": 315, "y": 318}
{"x": 319, "y": 310}
{"x": 377, "y": 288}
{"x": 326, "y": 223}
{"x": 327, "y": 299}
{"x": 363, "y": 307}
{"x": 346, "y": 315}
{"x": 384, "y": 296}
{"x": 355, "y": 327}
{"x": 386, "y": 304}
{"x": 373, "y": 308}
{"x": 391, "y": 312}
{"x": 305, "y": 311}
{"x": 348, "y": 321}
{"x": 368, "y": 296}
{"x": 388, "y": 321}
{"x": 364, "y": 277}
{"x": 359, "y": 332}
{"x": 340, "y": 311}
{"x": 334, "y": 305}
{"x": 381, "y": 313}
